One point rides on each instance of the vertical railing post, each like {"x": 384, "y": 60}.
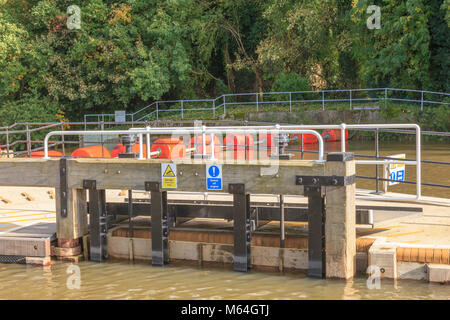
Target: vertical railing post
{"x": 224, "y": 105}
{"x": 157, "y": 111}
{"x": 28, "y": 140}
{"x": 351, "y": 99}
{"x": 323, "y": 100}
{"x": 181, "y": 109}
{"x": 7, "y": 143}
{"x": 257, "y": 102}
{"x": 421, "y": 101}
{"x": 214, "y": 108}
{"x": 62, "y": 140}
{"x": 290, "y": 101}
{"x": 385, "y": 98}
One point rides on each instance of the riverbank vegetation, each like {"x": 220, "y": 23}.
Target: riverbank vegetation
{"x": 126, "y": 54}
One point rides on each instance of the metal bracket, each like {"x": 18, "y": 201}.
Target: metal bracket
{"x": 63, "y": 186}
{"x": 320, "y": 181}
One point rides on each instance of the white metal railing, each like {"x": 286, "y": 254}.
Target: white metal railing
{"x": 275, "y": 129}
{"x": 350, "y": 96}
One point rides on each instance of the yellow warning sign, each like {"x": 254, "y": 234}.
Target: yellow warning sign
{"x": 169, "y": 175}
{"x": 168, "y": 172}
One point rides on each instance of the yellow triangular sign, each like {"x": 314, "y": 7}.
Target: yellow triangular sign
{"x": 168, "y": 172}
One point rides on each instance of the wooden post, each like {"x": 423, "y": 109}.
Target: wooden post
{"x": 340, "y": 232}
{"x": 75, "y": 224}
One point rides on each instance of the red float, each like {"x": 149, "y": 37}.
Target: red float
{"x": 169, "y": 148}
{"x": 197, "y": 143}
{"x": 307, "y": 138}
{"x": 236, "y": 143}
{"x": 92, "y": 152}
{"x": 51, "y": 154}
{"x": 333, "y": 135}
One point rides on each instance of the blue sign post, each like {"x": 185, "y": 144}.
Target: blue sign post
{"x": 214, "y": 177}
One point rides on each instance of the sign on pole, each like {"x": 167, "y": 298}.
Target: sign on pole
{"x": 397, "y": 171}
{"x": 120, "y": 116}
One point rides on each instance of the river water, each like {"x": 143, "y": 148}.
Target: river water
{"x": 142, "y": 281}
{"x": 118, "y": 280}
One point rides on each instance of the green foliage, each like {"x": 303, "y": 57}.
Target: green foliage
{"x": 285, "y": 82}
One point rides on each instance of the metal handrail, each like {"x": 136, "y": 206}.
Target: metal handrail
{"x": 275, "y": 129}
{"x": 214, "y": 107}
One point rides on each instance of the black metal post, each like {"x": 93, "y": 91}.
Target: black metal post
{"x": 376, "y": 157}
{"x": 63, "y": 188}
{"x": 282, "y": 232}
{"x": 130, "y": 214}
{"x": 98, "y": 227}
{"x": 316, "y": 232}
{"x": 242, "y": 229}
{"x": 160, "y": 229}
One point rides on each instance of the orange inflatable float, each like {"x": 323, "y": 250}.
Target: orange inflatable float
{"x": 51, "y": 154}
{"x": 333, "y": 135}
{"x": 169, "y": 148}
{"x": 238, "y": 143}
{"x": 92, "y": 152}
{"x": 197, "y": 143}
{"x": 307, "y": 138}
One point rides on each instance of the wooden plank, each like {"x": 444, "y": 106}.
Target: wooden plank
{"x": 28, "y": 172}
{"x": 28, "y": 247}
{"x": 259, "y": 176}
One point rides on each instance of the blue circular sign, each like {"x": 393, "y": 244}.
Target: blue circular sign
{"x": 213, "y": 171}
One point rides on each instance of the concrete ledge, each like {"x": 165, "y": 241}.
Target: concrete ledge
{"x": 384, "y": 256}
{"x": 438, "y": 273}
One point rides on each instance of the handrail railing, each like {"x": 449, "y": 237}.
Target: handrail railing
{"x": 384, "y": 95}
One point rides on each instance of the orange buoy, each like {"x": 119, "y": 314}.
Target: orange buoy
{"x": 197, "y": 143}
{"x": 333, "y": 135}
{"x": 92, "y": 152}
{"x": 236, "y": 143}
{"x": 169, "y": 148}
{"x": 307, "y": 138}
{"x": 120, "y": 148}
{"x": 51, "y": 154}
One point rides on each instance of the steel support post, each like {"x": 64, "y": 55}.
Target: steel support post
{"x": 98, "y": 226}
{"x": 242, "y": 228}
{"x": 160, "y": 229}
{"x": 316, "y": 232}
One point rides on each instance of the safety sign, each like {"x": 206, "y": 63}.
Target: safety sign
{"x": 169, "y": 175}
{"x": 397, "y": 171}
{"x": 214, "y": 177}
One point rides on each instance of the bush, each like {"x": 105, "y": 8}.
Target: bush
{"x": 287, "y": 82}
